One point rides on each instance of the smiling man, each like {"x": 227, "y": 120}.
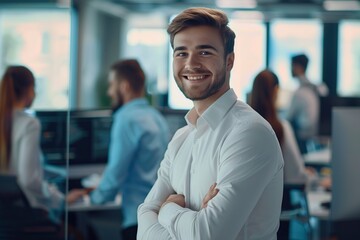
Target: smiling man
{"x": 222, "y": 174}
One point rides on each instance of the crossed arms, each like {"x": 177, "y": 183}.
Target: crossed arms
{"x": 242, "y": 178}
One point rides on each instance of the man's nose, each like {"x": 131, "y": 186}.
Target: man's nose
{"x": 193, "y": 62}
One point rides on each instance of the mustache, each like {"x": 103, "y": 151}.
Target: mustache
{"x": 194, "y": 72}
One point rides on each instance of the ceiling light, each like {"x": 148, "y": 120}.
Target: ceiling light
{"x": 332, "y": 5}
{"x": 246, "y": 4}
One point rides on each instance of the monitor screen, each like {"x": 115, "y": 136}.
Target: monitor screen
{"x": 88, "y": 138}
{"x": 89, "y": 134}
{"x": 326, "y": 106}
{"x": 174, "y": 117}
{"x": 53, "y": 136}
{"x": 345, "y": 164}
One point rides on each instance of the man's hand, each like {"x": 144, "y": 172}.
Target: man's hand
{"x": 213, "y": 191}
{"x": 179, "y": 199}
{"x": 76, "y": 194}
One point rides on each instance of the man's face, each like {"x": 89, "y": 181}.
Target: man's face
{"x": 199, "y": 66}
{"x": 296, "y": 70}
{"x": 114, "y": 91}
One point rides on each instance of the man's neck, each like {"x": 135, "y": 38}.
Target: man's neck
{"x": 132, "y": 97}
{"x": 201, "y": 105}
{"x": 302, "y": 78}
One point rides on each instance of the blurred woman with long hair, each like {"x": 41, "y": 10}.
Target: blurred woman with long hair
{"x": 20, "y": 152}
{"x": 263, "y": 100}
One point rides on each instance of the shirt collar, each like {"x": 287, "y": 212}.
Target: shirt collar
{"x": 214, "y": 114}
{"x": 303, "y": 79}
{"x": 132, "y": 103}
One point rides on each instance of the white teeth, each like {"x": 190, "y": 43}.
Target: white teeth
{"x": 195, "y": 77}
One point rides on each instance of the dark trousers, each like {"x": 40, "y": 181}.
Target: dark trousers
{"x": 284, "y": 229}
{"x": 129, "y": 233}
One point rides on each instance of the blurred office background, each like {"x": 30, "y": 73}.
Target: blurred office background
{"x": 70, "y": 45}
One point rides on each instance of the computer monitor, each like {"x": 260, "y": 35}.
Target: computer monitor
{"x": 174, "y": 117}
{"x": 326, "y": 106}
{"x": 89, "y": 136}
{"x": 86, "y": 139}
{"x": 53, "y": 135}
{"x": 345, "y": 164}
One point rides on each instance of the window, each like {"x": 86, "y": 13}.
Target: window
{"x": 349, "y": 59}
{"x": 287, "y": 37}
{"x": 148, "y": 45}
{"x": 40, "y": 40}
{"x": 250, "y": 55}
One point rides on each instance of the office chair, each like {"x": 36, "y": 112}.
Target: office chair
{"x": 296, "y": 207}
{"x": 18, "y": 220}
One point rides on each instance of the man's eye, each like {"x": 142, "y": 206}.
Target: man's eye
{"x": 204, "y": 53}
{"x": 180, "y": 54}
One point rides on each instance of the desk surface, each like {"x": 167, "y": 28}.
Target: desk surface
{"x": 85, "y": 205}
{"x": 321, "y": 157}
{"x": 315, "y": 198}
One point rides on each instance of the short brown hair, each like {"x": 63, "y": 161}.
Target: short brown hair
{"x": 131, "y": 71}
{"x": 203, "y": 17}
{"x": 300, "y": 59}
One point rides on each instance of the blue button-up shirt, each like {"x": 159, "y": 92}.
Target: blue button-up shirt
{"x": 139, "y": 137}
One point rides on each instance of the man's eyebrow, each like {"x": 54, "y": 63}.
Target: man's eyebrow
{"x": 181, "y": 48}
{"x": 205, "y": 46}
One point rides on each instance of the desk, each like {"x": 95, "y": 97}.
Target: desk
{"x": 320, "y": 216}
{"x": 104, "y": 219}
{"x": 320, "y": 158}
{"x": 315, "y": 198}
{"x": 85, "y": 205}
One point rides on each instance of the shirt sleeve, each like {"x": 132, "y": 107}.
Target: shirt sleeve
{"x": 123, "y": 144}
{"x": 148, "y": 224}
{"x": 30, "y": 171}
{"x": 294, "y": 170}
{"x": 293, "y": 108}
{"x": 246, "y": 167}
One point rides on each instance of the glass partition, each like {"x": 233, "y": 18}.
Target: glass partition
{"x": 36, "y": 36}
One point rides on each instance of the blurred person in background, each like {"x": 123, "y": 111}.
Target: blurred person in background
{"x": 20, "y": 152}
{"x": 303, "y": 113}
{"x": 139, "y": 137}
{"x": 263, "y": 100}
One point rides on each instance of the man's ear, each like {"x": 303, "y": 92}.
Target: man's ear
{"x": 124, "y": 86}
{"x": 230, "y": 61}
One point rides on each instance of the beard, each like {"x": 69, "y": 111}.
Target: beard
{"x": 211, "y": 90}
{"x": 117, "y": 101}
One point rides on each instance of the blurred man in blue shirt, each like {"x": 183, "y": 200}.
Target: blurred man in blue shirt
{"x": 139, "y": 137}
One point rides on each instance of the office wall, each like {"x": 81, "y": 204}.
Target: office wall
{"x": 97, "y": 48}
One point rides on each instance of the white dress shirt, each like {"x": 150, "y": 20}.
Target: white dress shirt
{"x": 26, "y": 163}
{"x": 304, "y": 109}
{"x": 294, "y": 168}
{"x": 229, "y": 144}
